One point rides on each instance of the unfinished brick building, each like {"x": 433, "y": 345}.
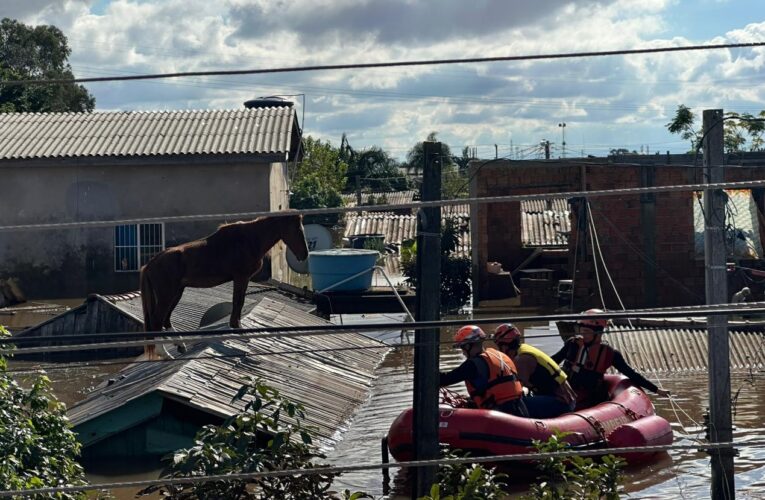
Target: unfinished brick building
{"x": 648, "y": 241}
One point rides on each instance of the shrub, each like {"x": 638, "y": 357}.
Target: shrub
{"x": 37, "y": 446}
{"x": 258, "y": 439}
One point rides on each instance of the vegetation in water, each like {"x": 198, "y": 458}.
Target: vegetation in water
{"x": 37, "y": 445}
{"x": 575, "y": 476}
{"x": 268, "y": 435}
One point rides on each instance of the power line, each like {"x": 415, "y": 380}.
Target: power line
{"x": 321, "y": 330}
{"x": 390, "y": 207}
{"x": 697, "y": 448}
{"x": 424, "y": 62}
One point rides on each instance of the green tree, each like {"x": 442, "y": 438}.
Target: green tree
{"x": 415, "y": 158}
{"x": 37, "y": 446}
{"x": 318, "y": 180}
{"x": 377, "y": 170}
{"x": 37, "y": 53}
{"x": 267, "y": 435}
{"x": 737, "y": 128}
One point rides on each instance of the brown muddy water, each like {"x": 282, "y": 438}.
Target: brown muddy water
{"x": 674, "y": 475}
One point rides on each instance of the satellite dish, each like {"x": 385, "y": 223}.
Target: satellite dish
{"x": 317, "y": 237}
{"x": 216, "y": 313}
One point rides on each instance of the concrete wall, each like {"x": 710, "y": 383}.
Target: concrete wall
{"x": 74, "y": 263}
{"x": 634, "y": 231}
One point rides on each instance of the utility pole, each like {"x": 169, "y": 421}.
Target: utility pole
{"x": 427, "y": 342}
{"x": 720, "y": 421}
{"x": 546, "y": 144}
{"x": 358, "y": 190}
{"x": 562, "y": 126}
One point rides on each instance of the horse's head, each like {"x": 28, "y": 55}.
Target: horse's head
{"x": 294, "y": 236}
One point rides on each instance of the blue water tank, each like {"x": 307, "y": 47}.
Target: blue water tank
{"x": 328, "y": 267}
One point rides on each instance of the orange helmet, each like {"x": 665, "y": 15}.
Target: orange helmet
{"x": 594, "y": 322}
{"x": 506, "y": 333}
{"x": 468, "y": 334}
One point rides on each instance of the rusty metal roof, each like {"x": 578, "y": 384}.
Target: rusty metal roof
{"x": 329, "y": 384}
{"x": 683, "y": 349}
{"x": 148, "y": 133}
{"x": 545, "y": 223}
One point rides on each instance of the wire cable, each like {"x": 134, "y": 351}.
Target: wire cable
{"x": 389, "y": 207}
{"x": 730, "y": 445}
{"x": 424, "y": 62}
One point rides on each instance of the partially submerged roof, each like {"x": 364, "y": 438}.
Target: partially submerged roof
{"x": 271, "y": 131}
{"x": 331, "y": 384}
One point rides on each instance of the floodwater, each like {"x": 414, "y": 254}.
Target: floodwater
{"x": 679, "y": 474}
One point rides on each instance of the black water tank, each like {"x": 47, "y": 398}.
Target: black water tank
{"x": 268, "y": 102}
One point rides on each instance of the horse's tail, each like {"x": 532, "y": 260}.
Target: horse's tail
{"x": 147, "y": 299}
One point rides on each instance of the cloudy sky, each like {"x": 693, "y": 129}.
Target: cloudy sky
{"x": 605, "y": 102}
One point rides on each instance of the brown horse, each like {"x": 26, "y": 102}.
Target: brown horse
{"x": 232, "y": 253}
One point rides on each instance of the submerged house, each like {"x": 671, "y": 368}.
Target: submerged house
{"x": 131, "y": 165}
{"x": 152, "y": 408}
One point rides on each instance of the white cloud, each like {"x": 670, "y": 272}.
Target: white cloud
{"x": 601, "y": 99}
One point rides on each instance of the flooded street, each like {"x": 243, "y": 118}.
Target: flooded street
{"x": 676, "y": 475}
{"x": 680, "y": 474}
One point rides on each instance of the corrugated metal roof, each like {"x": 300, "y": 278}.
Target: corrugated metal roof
{"x": 330, "y": 384}
{"x": 196, "y": 301}
{"x": 144, "y": 133}
{"x": 545, "y": 223}
{"x": 392, "y": 197}
{"x": 398, "y": 228}
{"x": 683, "y": 349}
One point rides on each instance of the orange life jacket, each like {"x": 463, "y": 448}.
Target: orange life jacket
{"x": 596, "y": 358}
{"x": 503, "y": 384}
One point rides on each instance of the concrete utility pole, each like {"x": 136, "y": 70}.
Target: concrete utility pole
{"x": 426, "y": 342}
{"x": 720, "y": 421}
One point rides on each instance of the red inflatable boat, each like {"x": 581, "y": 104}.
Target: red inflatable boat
{"x": 626, "y": 419}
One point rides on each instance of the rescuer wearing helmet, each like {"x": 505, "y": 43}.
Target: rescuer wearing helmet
{"x": 586, "y": 359}
{"x": 552, "y": 395}
{"x": 490, "y": 376}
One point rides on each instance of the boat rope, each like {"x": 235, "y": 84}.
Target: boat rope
{"x": 724, "y": 446}
{"x": 391, "y": 207}
{"x": 149, "y": 338}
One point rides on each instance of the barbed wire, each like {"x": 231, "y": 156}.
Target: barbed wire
{"x": 388, "y": 207}
{"x": 529, "y": 457}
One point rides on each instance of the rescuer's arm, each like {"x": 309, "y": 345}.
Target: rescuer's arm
{"x": 466, "y": 371}
{"x": 636, "y": 378}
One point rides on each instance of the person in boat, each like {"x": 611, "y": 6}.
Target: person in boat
{"x": 586, "y": 358}
{"x": 489, "y": 375}
{"x": 551, "y": 395}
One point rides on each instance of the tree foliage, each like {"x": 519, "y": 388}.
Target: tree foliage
{"x": 575, "y": 476}
{"x": 415, "y": 158}
{"x": 737, "y": 130}
{"x": 318, "y": 180}
{"x": 37, "y": 53}
{"x": 455, "y": 271}
{"x": 37, "y": 446}
{"x": 267, "y": 435}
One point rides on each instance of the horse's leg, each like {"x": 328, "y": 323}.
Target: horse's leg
{"x": 240, "y": 288}
{"x": 168, "y": 327}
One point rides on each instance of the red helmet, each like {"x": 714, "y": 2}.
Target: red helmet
{"x": 594, "y": 322}
{"x": 506, "y": 333}
{"x": 468, "y": 334}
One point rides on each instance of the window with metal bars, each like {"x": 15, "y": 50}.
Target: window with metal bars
{"x": 136, "y": 244}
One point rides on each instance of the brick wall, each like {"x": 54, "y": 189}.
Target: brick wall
{"x": 625, "y": 226}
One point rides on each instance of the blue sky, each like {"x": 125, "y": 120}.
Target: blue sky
{"x": 614, "y": 102}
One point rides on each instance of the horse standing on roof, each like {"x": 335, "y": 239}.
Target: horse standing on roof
{"x": 232, "y": 253}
